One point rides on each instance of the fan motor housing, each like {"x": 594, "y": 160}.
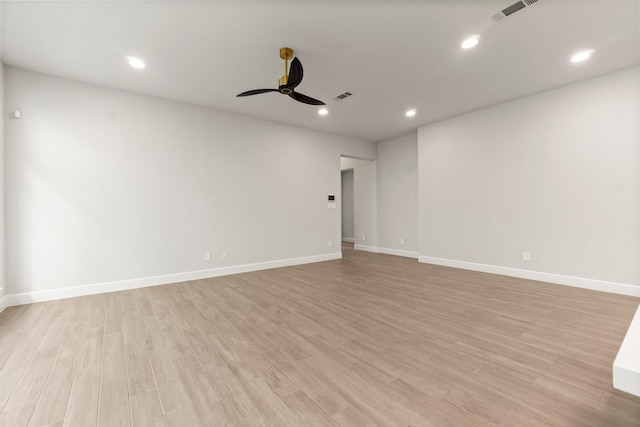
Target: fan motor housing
{"x": 286, "y": 53}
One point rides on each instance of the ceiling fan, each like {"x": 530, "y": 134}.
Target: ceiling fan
{"x": 287, "y": 83}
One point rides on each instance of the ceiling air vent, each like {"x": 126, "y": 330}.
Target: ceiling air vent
{"x": 343, "y": 96}
{"x": 510, "y": 10}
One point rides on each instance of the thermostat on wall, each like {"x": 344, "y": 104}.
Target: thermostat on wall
{"x": 332, "y": 201}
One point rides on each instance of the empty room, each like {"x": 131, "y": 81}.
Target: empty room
{"x": 320, "y": 213}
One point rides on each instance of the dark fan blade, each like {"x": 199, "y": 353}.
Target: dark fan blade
{"x": 306, "y": 99}
{"x": 295, "y": 73}
{"x": 256, "y": 92}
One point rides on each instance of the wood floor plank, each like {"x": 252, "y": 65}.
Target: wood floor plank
{"x": 71, "y": 343}
{"x": 363, "y": 392}
{"x": 113, "y": 312}
{"x": 183, "y": 417}
{"x": 82, "y": 408}
{"x": 114, "y": 404}
{"x": 307, "y": 411}
{"x": 152, "y": 332}
{"x": 622, "y": 404}
{"x": 269, "y": 404}
{"x": 132, "y": 327}
{"x": 370, "y": 339}
{"x": 19, "y": 362}
{"x": 323, "y": 393}
{"x": 54, "y": 334}
{"x": 351, "y": 416}
{"x": 208, "y": 354}
{"x": 139, "y": 372}
{"x": 174, "y": 398}
{"x": 521, "y": 418}
{"x": 205, "y": 400}
{"x": 91, "y": 353}
{"x": 146, "y": 410}
{"x": 114, "y": 364}
{"x": 52, "y": 404}
{"x": 8, "y": 346}
{"x": 235, "y": 399}
{"x": 19, "y": 409}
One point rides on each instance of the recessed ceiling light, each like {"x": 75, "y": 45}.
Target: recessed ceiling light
{"x": 410, "y": 113}
{"x": 323, "y": 111}
{"x": 582, "y": 55}
{"x": 470, "y": 42}
{"x": 136, "y": 62}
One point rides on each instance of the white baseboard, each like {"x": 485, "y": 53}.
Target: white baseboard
{"x": 398, "y": 252}
{"x": 373, "y": 249}
{"x": 349, "y": 239}
{"x": 142, "y": 282}
{"x": 3, "y": 303}
{"x": 387, "y": 251}
{"x": 579, "y": 282}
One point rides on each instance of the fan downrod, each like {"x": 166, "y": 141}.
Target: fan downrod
{"x": 286, "y": 53}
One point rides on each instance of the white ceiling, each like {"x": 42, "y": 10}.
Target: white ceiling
{"x": 391, "y": 55}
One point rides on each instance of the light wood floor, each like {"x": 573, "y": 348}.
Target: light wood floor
{"x": 370, "y": 340}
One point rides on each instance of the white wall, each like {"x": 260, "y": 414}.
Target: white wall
{"x": 365, "y": 194}
{"x": 2, "y": 239}
{"x": 106, "y": 186}
{"x": 398, "y": 195}
{"x": 556, "y": 174}
{"x": 347, "y": 203}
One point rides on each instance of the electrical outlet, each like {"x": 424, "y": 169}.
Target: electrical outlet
{"x": 225, "y": 254}
{"x": 207, "y": 256}
{"x": 364, "y": 237}
{"x": 330, "y": 243}
{"x": 526, "y": 256}
{"x": 402, "y": 240}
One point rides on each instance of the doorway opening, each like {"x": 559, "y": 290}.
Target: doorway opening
{"x": 348, "y": 219}
{"x": 359, "y": 202}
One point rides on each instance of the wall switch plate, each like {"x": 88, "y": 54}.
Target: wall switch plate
{"x": 402, "y": 240}
{"x": 225, "y": 254}
{"x": 364, "y": 237}
{"x": 526, "y": 256}
{"x": 330, "y": 243}
{"x": 207, "y": 256}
